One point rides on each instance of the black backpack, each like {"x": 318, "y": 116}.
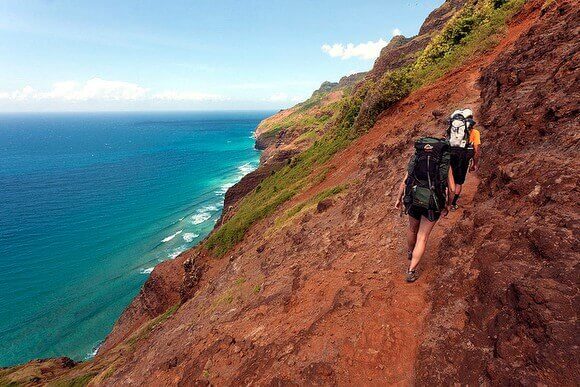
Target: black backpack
{"x": 426, "y": 184}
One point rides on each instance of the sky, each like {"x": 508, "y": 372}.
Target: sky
{"x": 141, "y": 55}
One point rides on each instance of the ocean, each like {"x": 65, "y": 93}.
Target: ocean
{"x": 91, "y": 202}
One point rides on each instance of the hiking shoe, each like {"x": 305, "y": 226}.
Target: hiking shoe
{"x": 412, "y": 276}
{"x": 454, "y": 207}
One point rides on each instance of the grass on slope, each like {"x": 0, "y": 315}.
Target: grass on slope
{"x": 309, "y": 116}
{"x": 281, "y": 221}
{"x": 287, "y": 182}
{"x": 475, "y": 27}
{"x": 79, "y": 381}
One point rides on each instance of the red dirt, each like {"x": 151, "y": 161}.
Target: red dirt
{"x": 332, "y": 305}
{"x": 321, "y": 298}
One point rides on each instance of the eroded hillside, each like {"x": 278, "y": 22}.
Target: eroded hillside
{"x": 303, "y": 283}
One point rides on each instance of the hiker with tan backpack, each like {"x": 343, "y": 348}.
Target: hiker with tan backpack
{"x": 465, "y": 142}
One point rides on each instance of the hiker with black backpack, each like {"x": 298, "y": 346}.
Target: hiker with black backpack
{"x": 425, "y": 193}
{"x": 465, "y": 144}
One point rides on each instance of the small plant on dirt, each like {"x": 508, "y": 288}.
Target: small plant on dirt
{"x": 79, "y": 381}
{"x": 144, "y": 331}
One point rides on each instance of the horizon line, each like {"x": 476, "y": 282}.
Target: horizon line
{"x": 140, "y": 111}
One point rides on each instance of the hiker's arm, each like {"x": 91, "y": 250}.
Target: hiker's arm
{"x": 450, "y": 188}
{"x": 401, "y": 191}
{"x": 476, "y": 155}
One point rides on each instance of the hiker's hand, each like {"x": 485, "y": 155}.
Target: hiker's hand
{"x": 398, "y": 204}
{"x": 473, "y": 168}
{"x": 445, "y": 211}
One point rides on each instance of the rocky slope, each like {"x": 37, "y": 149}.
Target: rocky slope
{"x": 314, "y": 293}
{"x": 511, "y": 281}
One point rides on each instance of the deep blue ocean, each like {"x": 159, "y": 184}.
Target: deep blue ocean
{"x": 91, "y": 202}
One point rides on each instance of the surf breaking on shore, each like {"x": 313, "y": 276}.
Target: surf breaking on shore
{"x": 191, "y": 226}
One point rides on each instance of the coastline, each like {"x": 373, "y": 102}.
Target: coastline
{"x": 164, "y": 282}
{"x": 173, "y": 204}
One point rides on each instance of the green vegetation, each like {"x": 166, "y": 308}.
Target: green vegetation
{"x": 281, "y": 221}
{"x": 257, "y": 289}
{"x": 309, "y": 115}
{"x": 79, "y": 381}
{"x": 288, "y": 181}
{"x": 474, "y": 28}
{"x": 144, "y": 332}
{"x": 392, "y": 87}
{"x": 240, "y": 281}
{"x": 226, "y": 298}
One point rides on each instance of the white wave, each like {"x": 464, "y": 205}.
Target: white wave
{"x": 208, "y": 208}
{"x": 170, "y": 237}
{"x": 200, "y": 218}
{"x": 177, "y": 251}
{"x": 223, "y": 189}
{"x": 246, "y": 168}
{"x": 146, "y": 271}
{"x": 189, "y": 236}
{"x": 93, "y": 353}
{"x": 243, "y": 170}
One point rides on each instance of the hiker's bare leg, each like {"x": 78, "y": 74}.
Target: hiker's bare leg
{"x": 412, "y": 233}
{"x": 422, "y": 236}
{"x": 457, "y": 189}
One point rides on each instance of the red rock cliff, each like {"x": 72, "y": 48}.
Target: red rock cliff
{"x": 314, "y": 294}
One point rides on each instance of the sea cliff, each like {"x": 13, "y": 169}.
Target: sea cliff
{"x": 301, "y": 281}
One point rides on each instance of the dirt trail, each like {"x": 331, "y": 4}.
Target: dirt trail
{"x": 331, "y": 304}
{"x": 322, "y": 298}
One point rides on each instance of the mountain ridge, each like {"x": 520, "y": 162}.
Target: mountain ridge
{"x": 313, "y": 291}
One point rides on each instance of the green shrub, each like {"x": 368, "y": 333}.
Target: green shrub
{"x": 392, "y": 87}
{"x": 474, "y": 28}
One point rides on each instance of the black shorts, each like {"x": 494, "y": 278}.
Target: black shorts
{"x": 459, "y": 164}
{"x": 417, "y": 212}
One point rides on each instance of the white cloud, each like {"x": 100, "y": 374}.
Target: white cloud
{"x": 103, "y": 90}
{"x": 18, "y": 95}
{"x": 368, "y": 50}
{"x": 396, "y": 32}
{"x": 187, "y": 96}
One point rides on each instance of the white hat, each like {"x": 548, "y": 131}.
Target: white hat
{"x": 456, "y": 113}
{"x": 467, "y": 113}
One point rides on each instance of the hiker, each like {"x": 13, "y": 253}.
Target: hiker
{"x": 425, "y": 194}
{"x": 465, "y": 144}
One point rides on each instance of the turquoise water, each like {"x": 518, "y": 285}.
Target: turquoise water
{"x": 90, "y": 203}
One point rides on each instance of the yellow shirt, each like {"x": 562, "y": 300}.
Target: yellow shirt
{"x": 474, "y": 137}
